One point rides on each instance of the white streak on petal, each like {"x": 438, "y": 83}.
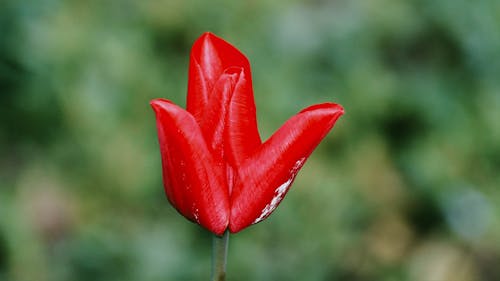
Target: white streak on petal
{"x": 280, "y": 192}
{"x": 196, "y": 215}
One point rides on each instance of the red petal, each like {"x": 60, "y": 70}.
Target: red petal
{"x": 209, "y": 91}
{"x": 210, "y": 56}
{"x": 242, "y": 135}
{"x": 194, "y": 181}
{"x": 214, "y": 118}
{"x": 265, "y": 177}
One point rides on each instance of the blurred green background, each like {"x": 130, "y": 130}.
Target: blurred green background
{"x": 406, "y": 187}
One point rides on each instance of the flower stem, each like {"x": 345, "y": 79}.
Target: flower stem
{"x": 219, "y": 258}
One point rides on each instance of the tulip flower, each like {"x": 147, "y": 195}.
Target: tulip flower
{"x": 217, "y": 172}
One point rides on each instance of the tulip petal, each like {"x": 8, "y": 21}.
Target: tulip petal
{"x": 210, "y": 89}
{"x": 242, "y": 135}
{"x": 264, "y": 178}
{"x": 214, "y": 119}
{"x": 194, "y": 180}
{"x": 210, "y": 56}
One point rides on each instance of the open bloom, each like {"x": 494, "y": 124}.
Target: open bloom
{"x": 216, "y": 170}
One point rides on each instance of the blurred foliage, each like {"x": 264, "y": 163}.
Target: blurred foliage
{"x": 405, "y": 188}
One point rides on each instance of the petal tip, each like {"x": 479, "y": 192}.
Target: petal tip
{"x": 327, "y": 108}
{"x": 205, "y": 38}
{"x": 340, "y": 109}
{"x": 334, "y": 108}
{"x": 207, "y": 34}
{"x": 159, "y": 103}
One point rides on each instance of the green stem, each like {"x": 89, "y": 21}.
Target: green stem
{"x": 219, "y": 258}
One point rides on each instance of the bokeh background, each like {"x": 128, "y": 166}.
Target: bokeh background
{"x": 406, "y": 187}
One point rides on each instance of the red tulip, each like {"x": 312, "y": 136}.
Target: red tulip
{"x": 216, "y": 170}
